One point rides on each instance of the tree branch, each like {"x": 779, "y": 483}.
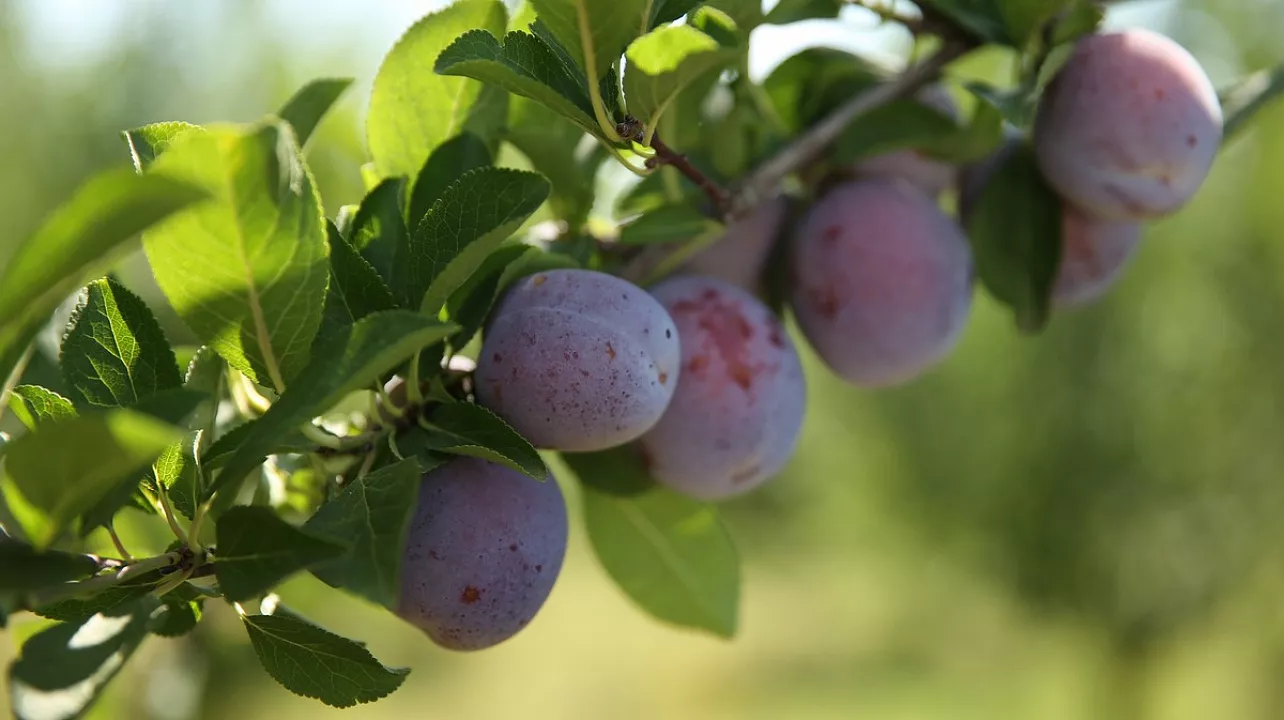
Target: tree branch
{"x": 764, "y": 180}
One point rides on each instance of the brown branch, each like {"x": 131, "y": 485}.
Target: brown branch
{"x": 665, "y": 155}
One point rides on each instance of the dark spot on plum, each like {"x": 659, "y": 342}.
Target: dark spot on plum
{"x": 610, "y": 351}
{"x": 539, "y": 568}
{"x": 742, "y": 375}
{"x": 433, "y": 555}
{"x": 512, "y": 548}
{"x": 831, "y": 233}
{"x": 668, "y": 333}
{"x": 497, "y": 358}
{"x": 774, "y": 336}
{"x": 825, "y": 300}
{"x": 1191, "y": 141}
{"x": 470, "y": 595}
{"x": 664, "y": 378}
{"x": 585, "y": 373}
{"x": 1160, "y": 94}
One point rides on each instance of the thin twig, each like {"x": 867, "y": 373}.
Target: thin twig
{"x": 665, "y": 155}
{"x": 115, "y": 540}
{"x": 168, "y": 511}
{"x": 764, "y": 180}
{"x": 99, "y": 583}
{"x": 15, "y": 376}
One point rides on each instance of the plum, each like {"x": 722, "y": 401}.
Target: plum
{"x": 1093, "y": 255}
{"x": 1129, "y": 127}
{"x": 738, "y": 408}
{"x": 484, "y": 548}
{"x": 739, "y": 255}
{"x": 881, "y": 281}
{"x": 578, "y": 360}
{"x": 930, "y": 175}
{"x": 1094, "y": 252}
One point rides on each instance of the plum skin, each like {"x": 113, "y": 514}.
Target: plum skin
{"x": 738, "y": 410}
{"x": 485, "y": 546}
{"x": 738, "y": 256}
{"x": 1094, "y": 252}
{"x": 1093, "y": 255}
{"x": 578, "y": 360}
{"x": 1129, "y": 127}
{"x": 881, "y": 281}
{"x": 928, "y": 174}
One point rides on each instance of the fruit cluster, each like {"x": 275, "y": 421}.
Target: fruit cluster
{"x": 699, "y": 375}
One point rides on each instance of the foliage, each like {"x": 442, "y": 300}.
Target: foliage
{"x": 303, "y": 316}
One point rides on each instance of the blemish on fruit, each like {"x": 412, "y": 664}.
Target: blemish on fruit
{"x": 470, "y": 595}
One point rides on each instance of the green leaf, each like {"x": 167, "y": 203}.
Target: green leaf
{"x": 170, "y": 406}
{"x": 34, "y": 405}
{"x": 669, "y": 224}
{"x": 306, "y": 107}
{"x": 114, "y": 352}
{"x": 671, "y": 555}
{"x": 1015, "y": 230}
{"x": 373, "y": 515}
{"x": 1025, "y": 18}
{"x": 618, "y": 471}
{"x": 356, "y": 290}
{"x": 247, "y": 272}
{"x": 556, "y": 149}
{"x": 376, "y": 344}
{"x": 146, "y": 143}
{"x": 175, "y": 470}
{"x": 257, "y": 550}
{"x": 108, "y": 601}
{"x": 315, "y": 663}
{"x": 450, "y": 160}
{"x": 982, "y": 18}
{"x": 470, "y": 219}
{"x": 1016, "y": 105}
{"x": 47, "y": 487}
{"x": 23, "y": 567}
{"x": 663, "y": 62}
{"x": 413, "y": 109}
{"x": 292, "y": 441}
{"x": 897, "y": 125}
{"x": 470, "y": 305}
{"x": 176, "y": 617}
{"x": 524, "y": 65}
{"x": 812, "y": 83}
{"x": 379, "y": 230}
{"x": 746, "y": 14}
{"x": 595, "y": 32}
{"x": 63, "y": 668}
{"x": 468, "y": 429}
{"x": 75, "y": 244}
{"x": 1081, "y": 19}
{"x": 792, "y": 11}
{"x": 666, "y": 11}
{"x": 206, "y": 375}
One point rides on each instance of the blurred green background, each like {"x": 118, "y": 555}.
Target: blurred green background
{"x": 1083, "y": 524}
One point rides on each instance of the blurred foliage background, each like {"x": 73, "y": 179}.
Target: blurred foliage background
{"x": 1084, "y": 524}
